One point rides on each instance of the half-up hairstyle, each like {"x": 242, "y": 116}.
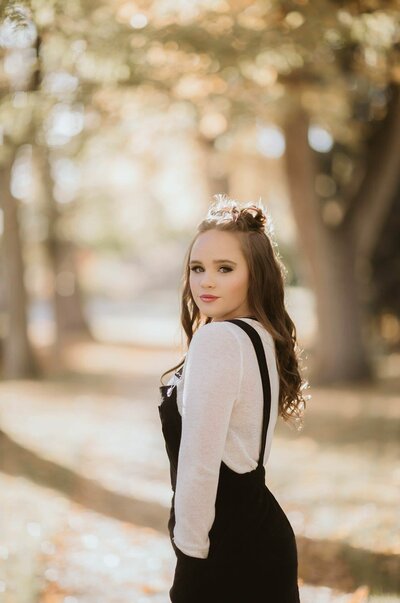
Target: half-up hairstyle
{"x": 267, "y": 275}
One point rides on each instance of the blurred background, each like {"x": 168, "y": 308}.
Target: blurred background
{"x": 118, "y": 122}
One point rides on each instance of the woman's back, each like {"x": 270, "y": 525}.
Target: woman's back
{"x": 239, "y": 368}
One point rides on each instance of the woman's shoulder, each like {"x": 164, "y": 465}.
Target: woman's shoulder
{"x": 261, "y": 330}
{"x": 221, "y": 333}
{"x": 214, "y": 350}
{"x": 212, "y": 334}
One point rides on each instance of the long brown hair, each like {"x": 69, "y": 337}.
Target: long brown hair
{"x": 265, "y": 295}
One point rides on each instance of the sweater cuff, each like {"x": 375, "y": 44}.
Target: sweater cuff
{"x": 191, "y": 551}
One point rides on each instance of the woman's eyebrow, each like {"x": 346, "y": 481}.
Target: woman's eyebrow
{"x": 215, "y": 262}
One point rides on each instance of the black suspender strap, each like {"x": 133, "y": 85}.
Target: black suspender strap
{"x": 263, "y": 366}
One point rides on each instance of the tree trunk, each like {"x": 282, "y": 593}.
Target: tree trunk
{"x": 18, "y": 358}
{"x": 371, "y": 207}
{"x": 67, "y": 296}
{"x": 378, "y": 191}
{"x": 339, "y": 353}
{"x": 68, "y": 301}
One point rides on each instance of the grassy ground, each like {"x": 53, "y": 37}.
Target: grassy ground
{"x": 85, "y": 489}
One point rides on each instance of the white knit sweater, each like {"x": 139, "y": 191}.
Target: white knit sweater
{"x": 220, "y": 399}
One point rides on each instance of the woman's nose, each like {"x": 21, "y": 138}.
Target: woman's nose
{"x": 206, "y": 280}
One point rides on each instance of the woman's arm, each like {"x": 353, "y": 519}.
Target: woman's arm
{"x": 213, "y": 374}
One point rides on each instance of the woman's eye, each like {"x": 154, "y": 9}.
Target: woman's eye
{"x": 228, "y": 268}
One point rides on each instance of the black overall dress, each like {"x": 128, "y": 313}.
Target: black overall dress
{"x": 252, "y": 556}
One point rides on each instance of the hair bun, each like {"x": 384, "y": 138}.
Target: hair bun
{"x": 247, "y": 217}
{"x": 254, "y": 217}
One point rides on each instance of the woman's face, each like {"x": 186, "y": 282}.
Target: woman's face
{"x": 218, "y": 268}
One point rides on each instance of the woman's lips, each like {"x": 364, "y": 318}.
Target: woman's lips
{"x": 208, "y": 298}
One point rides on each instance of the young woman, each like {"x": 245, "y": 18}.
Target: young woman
{"x": 232, "y": 540}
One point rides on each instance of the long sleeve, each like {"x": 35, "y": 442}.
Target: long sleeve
{"x": 213, "y": 375}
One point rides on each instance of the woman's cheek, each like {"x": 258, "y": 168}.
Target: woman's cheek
{"x": 239, "y": 285}
{"x": 234, "y": 286}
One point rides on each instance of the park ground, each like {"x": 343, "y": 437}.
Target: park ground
{"x": 85, "y": 487}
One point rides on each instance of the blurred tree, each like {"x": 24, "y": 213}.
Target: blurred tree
{"x": 328, "y": 76}
{"x": 385, "y": 264}
{"x": 17, "y": 356}
{"x": 22, "y": 91}
{"x": 339, "y": 237}
{"x": 67, "y": 294}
